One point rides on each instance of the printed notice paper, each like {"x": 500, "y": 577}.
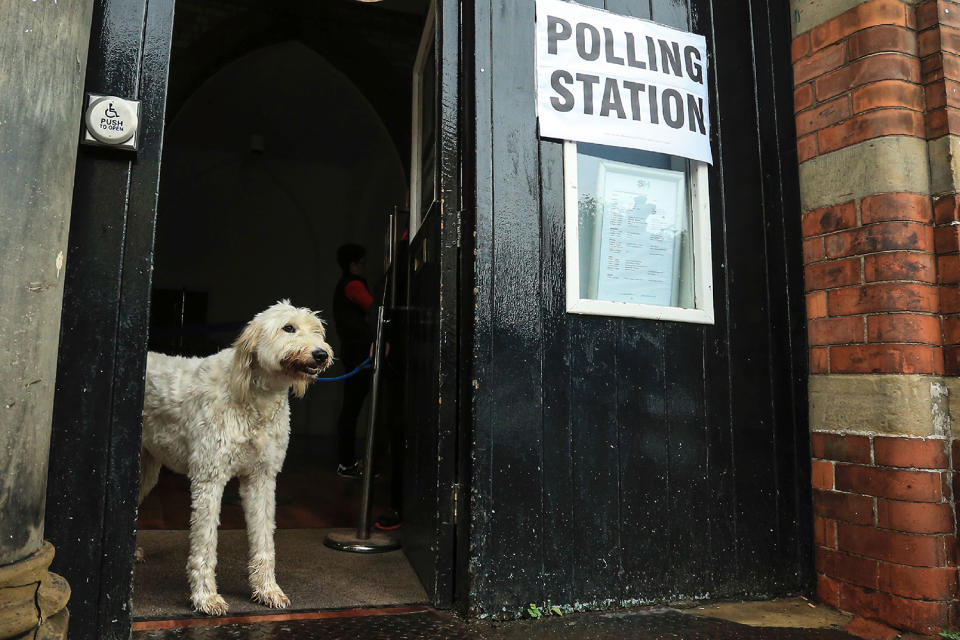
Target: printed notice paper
{"x": 620, "y": 81}
{"x": 642, "y": 230}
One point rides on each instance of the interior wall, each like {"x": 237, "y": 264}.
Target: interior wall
{"x": 268, "y": 167}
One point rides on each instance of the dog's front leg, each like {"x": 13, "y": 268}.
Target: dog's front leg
{"x": 202, "y": 564}
{"x": 259, "y": 505}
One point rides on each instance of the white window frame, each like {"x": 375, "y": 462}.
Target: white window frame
{"x": 426, "y": 39}
{"x": 699, "y": 198}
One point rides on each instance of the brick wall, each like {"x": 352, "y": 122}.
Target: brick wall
{"x": 884, "y": 528}
{"x": 882, "y": 275}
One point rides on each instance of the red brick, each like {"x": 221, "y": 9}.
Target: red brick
{"x": 816, "y": 305}
{"x": 919, "y": 486}
{"x": 948, "y": 39}
{"x": 915, "y": 517}
{"x": 846, "y": 507}
{"x": 882, "y": 236}
{"x": 819, "y": 360}
{"x": 819, "y": 63}
{"x": 947, "y": 14}
{"x": 829, "y": 219}
{"x": 870, "y": 630}
{"x": 949, "y": 299}
{"x": 888, "y": 94}
{"x": 882, "y": 39}
{"x": 806, "y": 147}
{"x": 823, "y": 115}
{"x": 821, "y": 473}
{"x": 948, "y": 269}
{"x": 812, "y": 250}
{"x": 870, "y": 125}
{"x": 951, "y": 330}
{"x": 940, "y": 122}
{"x": 827, "y": 591}
{"x": 832, "y": 274}
{"x": 825, "y": 532}
{"x": 896, "y": 206}
{"x": 938, "y": 67}
{"x": 884, "y": 296}
{"x": 886, "y": 358}
{"x": 833, "y": 446}
{"x": 944, "y": 93}
{"x": 866, "y": 15}
{"x": 802, "y": 97}
{"x": 900, "y": 265}
{"x": 913, "y": 615}
{"x": 946, "y": 209}
{"x": 892, "y": 546}
{"x": 903, "y": 327}
{"x": 946, "y": 239}
{"x": 883, "y": 66}
{"x": 918, "y": 583}
{"x": 800, "y": 46}
{"x": 910, "y": 452}
{"x": 926, "y": 14}
{"x": 846, "y": 330}
{"x": 841, "y": 566}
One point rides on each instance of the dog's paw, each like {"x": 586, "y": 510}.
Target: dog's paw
{"x": 138, "y": 555}
{"x": 212, "y": 605}
{"x": 271, "y": 596}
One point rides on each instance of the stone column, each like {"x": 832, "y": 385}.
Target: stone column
{"x": 43, "y": 51}
{"x": 875, "y": 102}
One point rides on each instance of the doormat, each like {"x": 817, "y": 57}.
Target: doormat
{"x": 313, "y": 576}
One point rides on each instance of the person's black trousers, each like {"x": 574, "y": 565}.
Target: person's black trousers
{"x": 355, "y": 389}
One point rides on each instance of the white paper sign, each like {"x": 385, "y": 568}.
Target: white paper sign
{"x": 642, "y": 229}
{"x": 620, "y": 81}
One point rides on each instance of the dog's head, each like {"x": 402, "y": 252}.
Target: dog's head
{"x": 287, "y": 341}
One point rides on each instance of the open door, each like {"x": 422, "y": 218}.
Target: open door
{"x": 430, "y": 488}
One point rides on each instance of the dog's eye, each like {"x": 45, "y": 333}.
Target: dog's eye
{"x": 289, "y": 328}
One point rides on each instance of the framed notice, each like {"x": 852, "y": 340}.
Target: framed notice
{"x": 637, "y": 231}
{"x": 643, "y": 222}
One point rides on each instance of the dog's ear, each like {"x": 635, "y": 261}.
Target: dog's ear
{"x": 244, "y": 358}
{"x": 245, "y": 346}
{"x": 300, "y": 388}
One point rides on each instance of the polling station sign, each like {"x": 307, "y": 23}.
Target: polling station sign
{"x": 621, "y": 81}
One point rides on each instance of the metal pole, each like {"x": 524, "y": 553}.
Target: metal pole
{"x": 363, "y": 541}
{"x": 363, "y": 528}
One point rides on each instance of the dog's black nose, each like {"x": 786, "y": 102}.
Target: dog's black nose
{"x": 320, "y": 355}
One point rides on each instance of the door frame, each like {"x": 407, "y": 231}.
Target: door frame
{"x": 439, "y": 556}
{"x": 92, "y": 492}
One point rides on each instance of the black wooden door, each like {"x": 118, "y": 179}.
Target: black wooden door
{"x": 95, "y": 444}
{"x": 432, "y": 374}
{"x": 620, "y": 460}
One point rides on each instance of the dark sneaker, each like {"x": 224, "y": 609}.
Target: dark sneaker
{"x": 388, "y": 521}
{"x": 353, "y": 471}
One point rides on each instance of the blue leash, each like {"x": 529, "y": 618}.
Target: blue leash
{"x": 366, "y": 364}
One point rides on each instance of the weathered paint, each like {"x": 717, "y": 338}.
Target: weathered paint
{"x": 96, "y": 432}
{"x": 39, "y": 121}
{"x": 621, "y": 460}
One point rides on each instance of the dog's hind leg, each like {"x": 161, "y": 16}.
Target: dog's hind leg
{"x": 205, "y": 497}
{"x": 259, "y": 507}
{"x": 149, "y": 474}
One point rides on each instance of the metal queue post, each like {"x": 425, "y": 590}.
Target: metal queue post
{"x": 363, "y": 540}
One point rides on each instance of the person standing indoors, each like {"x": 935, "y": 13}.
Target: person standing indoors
{"x": 351, "y": 304}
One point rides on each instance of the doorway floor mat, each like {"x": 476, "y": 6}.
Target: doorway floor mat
{"x": 313, "y": 576}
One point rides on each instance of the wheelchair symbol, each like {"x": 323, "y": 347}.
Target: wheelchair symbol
{"x": 111, "y": 112}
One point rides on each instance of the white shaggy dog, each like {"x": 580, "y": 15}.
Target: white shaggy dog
{"x": 225, "y": 416}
